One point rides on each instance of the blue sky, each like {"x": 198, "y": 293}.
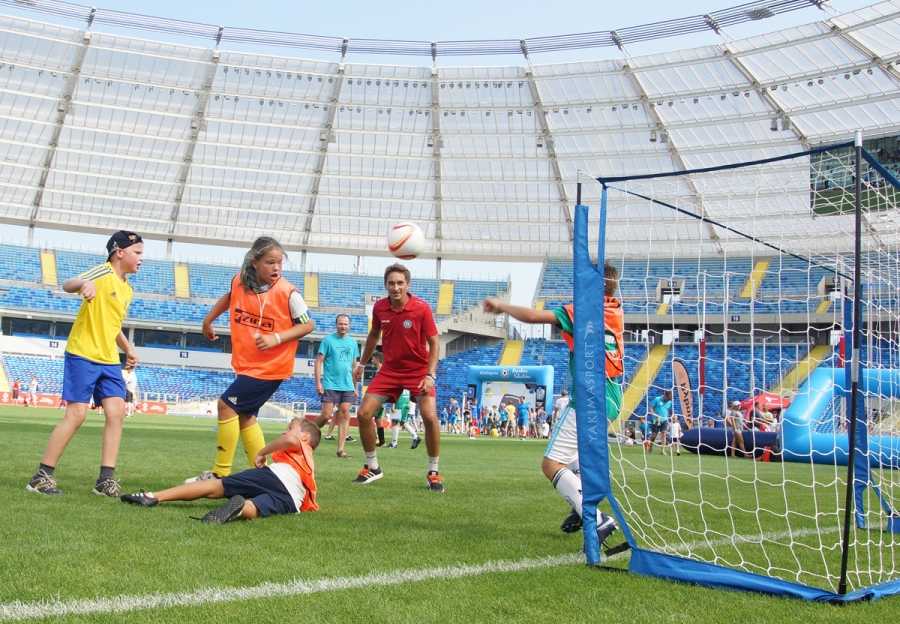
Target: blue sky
{"x": 435, "y": 21}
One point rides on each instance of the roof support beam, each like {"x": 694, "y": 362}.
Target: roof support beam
{"x": 765, "y": 95}
{"x": 550, "y": 145}
{"x": 673, "y": 151}
{"x": 198, "y": 125}
{"x": 63, "y": 108}
{"x": 325, "y": 137}
{"x": 436, "y": 144}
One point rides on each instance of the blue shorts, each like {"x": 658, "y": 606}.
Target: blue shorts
{"x": 522, "y": 422}
{"x": 263, "y": 487}
{"x": 247, "y": 394}
{"x": 83, "y": 379}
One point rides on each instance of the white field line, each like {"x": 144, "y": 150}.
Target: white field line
{"x": 17, "y": 611}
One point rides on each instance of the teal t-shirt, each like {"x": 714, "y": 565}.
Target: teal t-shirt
{"x": 337, "y": 368}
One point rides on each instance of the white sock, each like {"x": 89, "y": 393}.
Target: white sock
{"x": 573, "y": 465}
{"x": 372, "y": 460}
{"x": 410, "y": 430}
{"x": 568, "y": 484}
{"x": 432, "y": 463}
{"x": 395, "y": 434}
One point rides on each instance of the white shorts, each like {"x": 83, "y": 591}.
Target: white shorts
{"x": 563, "y": 444}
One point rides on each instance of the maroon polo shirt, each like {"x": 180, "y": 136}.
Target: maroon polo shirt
{"x": 404, "y": 334}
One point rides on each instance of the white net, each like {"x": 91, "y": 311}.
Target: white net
{"x": 755, "y": 313}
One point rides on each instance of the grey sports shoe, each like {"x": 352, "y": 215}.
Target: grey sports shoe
{"x": 230, "y": 511}
{"x": 108, "y": 487}
{"x": 606, "y": 526}
{"x": 42, "y": 483}
{"x": 208, "y": 475}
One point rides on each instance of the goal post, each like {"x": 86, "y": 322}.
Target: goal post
{"x": 773, "y": 261}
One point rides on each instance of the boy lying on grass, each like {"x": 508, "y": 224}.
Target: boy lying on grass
{"x": 286, "y": 486}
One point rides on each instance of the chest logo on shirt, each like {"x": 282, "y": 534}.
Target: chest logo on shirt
{"x": 249, "y": 319}
{"x": 407, "y": 323}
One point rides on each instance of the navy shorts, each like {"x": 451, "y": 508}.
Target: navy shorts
{"x": 247, "y": 394}
{"x": 263, "y": 488}
{"x": 83, "y": 379}
{"x": 660, "y": 427}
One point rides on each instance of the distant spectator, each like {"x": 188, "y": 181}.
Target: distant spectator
{"x": 131, "y": 388}
{"x": 15, "y": 391}
{"x": 32, "y": 391}
{"x": 735, "y": 423}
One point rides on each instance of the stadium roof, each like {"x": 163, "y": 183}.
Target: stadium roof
{"x": 200, "y": 144}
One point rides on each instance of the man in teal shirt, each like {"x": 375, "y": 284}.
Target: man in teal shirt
{"x": 337, "y": 359}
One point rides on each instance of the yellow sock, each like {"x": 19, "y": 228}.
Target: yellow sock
{"x": 226, "y": 444}
{"x": 253, "y": 440}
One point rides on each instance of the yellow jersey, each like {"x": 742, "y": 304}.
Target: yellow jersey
{"x": 99, "y": 321}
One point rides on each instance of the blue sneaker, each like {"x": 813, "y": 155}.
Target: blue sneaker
{"x": 416, "y": 442}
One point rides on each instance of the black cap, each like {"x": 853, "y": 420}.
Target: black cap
{"x": 122, "y": 240}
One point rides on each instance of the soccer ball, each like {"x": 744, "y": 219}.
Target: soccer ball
{"x": 406, "y": 240}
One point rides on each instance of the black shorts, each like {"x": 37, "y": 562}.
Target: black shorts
{"x": 263, "y": 487}
{"x": 129, "y": 396}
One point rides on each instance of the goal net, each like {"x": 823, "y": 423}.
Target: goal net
{"x": 768, "y": 297}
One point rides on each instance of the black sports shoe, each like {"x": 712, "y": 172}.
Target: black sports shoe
{"x": 416, "y": 442}
{"x": 230, "y": 511}
{"x": 349, "y": 439}
{"x": 435, "y": 481}
{"x": 107, "y": 487}
{"x": 43, "y": 483}
{"x": 606, "y": 526}
{"x": 140, "y": 498}
{"x": 572, "y": 523}
{"x": 367, "y": 475}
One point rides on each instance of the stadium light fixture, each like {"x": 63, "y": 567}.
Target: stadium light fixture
{"x": 653, "y": 137}
{"x": 540, "y": 142}
{"x": 774, "y": 125}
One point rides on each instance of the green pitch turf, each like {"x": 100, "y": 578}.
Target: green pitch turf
{"x": 487, "y": 550}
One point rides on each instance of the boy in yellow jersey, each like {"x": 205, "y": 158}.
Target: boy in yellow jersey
{"x": 92, "y": 368}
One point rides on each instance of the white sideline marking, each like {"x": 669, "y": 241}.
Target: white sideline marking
{"x": 15, "y": 611}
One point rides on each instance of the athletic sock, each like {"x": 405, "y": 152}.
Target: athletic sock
{"x": 254, "y": 440}
{"x": 395, "y": 435}
{"x": 226, "y": 443}
{"x": 106, "y": 472}
{"x": 410, "y": 430}
{"x": 372, "y": 460}
{"x": 568, "y": 484}
{"x": 432, "y": 463}
{"x": 48, "y": 469}
{"x": 574, "y": 466}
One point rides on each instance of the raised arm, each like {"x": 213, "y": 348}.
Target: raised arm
{"x": 520, "y": 313}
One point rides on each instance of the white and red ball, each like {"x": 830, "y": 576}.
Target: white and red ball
{"x": 406, "y": 240}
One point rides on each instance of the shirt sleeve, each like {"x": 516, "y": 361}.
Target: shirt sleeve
{"x": 299, "y": 309}
{"x": 323, "y": 346}
{"x": 428, "y": 325}
{"x": 565, "y": 323}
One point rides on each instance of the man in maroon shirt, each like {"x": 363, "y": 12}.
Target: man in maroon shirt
{"x": 411, "y": 347}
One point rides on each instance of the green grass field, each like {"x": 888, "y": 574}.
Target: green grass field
{"x": 487, "y": 550}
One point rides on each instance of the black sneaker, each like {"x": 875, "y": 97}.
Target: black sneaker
{"x": 140, "y": 498}
{"x": 349, "y": 439}
{"x": 329, "y": 438}
{"x": 416, "y": 442}
{"x": 230, "y": 511}
{"x": 107, "y": 487}
{"x": 572, "y": 523}
{"x": 42, "y": 483}
{"x": 606, "y": 526}
{"x": 367, "y": 475}
{"x": 435, "y": 481}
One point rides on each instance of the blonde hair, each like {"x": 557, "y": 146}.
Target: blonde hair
{"x": 261, "y": 246}
{"x": 315, "y": 435}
